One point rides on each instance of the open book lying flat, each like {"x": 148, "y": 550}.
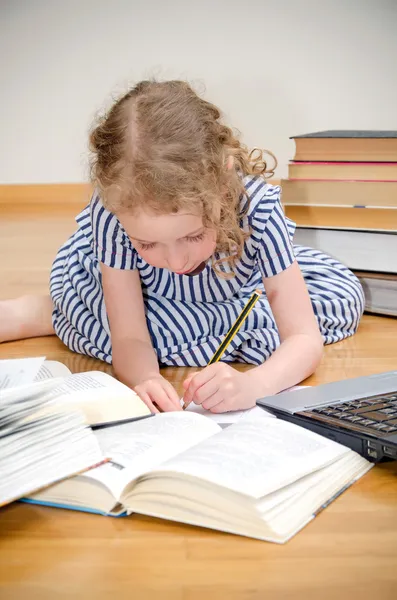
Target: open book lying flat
{"x": 260, "y": 477}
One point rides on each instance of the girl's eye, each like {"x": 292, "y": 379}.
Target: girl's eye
{"x": 147, "y": 246}
{"x": 193, "y": 238}
{"x": 196, "y": 238}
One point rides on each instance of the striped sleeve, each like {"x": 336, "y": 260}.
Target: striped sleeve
{"x": 112, "y": 245}
{"x": 275, "y": 247}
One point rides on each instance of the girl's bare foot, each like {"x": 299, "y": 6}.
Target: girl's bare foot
{"x": 25, "y": 317}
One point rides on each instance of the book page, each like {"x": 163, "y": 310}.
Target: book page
{"x": 50, "y": 369}
{"x": 19, "y": 371}
{"x": 37, "y": 389}
{"x": 102, "y": 398}
{"x": 257, "y": 457}
{"x": 135, "y": 448}
{"x": 59, "y": 448}
{"x": 15, "y": 414}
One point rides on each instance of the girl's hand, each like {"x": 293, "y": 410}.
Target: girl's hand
{"x": 158, "y": 394}
{"x": 220, "y": 388}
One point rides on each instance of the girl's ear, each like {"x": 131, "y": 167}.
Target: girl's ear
{"x": 230, "y": 163}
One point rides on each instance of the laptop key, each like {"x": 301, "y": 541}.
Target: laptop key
{"x": 366, "y": 409}
{"x": 366, "y": 402}
{"x": 360, "y": 420}
{"x": 375, "y": 415}
{"x": 378, "y": 426}
{"x": 376, "y": 400}
{"x": 367, "y": 422}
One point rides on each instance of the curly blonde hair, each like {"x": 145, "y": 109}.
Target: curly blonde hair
{"x": 163, "y": 148}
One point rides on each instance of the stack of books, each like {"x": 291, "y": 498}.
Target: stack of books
{"x": 342, "y": 193}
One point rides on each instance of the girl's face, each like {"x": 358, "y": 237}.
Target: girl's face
{"x": 177, "y": 242}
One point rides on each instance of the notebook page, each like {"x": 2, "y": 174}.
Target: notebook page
{"x": 228, "y": 418}
{"x": 135, "y": 448}
{"x": 257, "y": 457}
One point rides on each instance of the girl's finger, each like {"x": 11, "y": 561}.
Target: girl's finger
{"x": 159, "y": 397}
{"x": 187, "y": 381}
{"x": 146, "y": 399}
{"x": 173, "y": 395}
{"x": 198, "y": 380}
{"x": 220, "y": 408}
{"x": 213, "y": 401}
{"x": 206, "y": 391}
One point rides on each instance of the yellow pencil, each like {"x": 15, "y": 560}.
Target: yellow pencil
{"x": 233, "y": 330}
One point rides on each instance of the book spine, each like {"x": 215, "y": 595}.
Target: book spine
{"x": 343, "y": 163}
{"x": 85, "y": 509}
{"x": 343, "y": 180}
{"x": 333, "y": 193}
{"x": 374, "y": 219}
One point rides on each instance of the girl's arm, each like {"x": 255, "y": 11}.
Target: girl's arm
{"x": 301, "y": 346}
{"x": 221, "y": 388}
{"x": 134, "y": 359}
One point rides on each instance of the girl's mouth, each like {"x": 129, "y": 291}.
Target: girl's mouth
{"x": 196, "y": 270}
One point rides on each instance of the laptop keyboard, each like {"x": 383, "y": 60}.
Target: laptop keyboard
{"x": 378, "y": 414}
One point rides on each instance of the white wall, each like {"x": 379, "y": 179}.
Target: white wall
{"x": 276, "y": 68}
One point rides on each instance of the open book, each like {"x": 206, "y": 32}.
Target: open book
{"x": 260, "y": 477}
{"x": 102, "y": 399}
{"x": 40, "y": 441}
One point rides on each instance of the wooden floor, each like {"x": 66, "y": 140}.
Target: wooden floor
{"x": 350, "y": 549}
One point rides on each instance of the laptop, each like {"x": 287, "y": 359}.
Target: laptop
{"x": 360, "y": 413}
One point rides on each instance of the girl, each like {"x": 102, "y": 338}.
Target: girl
{"x": 180, "y": 231}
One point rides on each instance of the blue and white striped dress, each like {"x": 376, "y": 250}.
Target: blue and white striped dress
{"x": 188, "y": 316}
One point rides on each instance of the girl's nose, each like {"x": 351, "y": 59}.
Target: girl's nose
{"x": 177, "y": 261}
